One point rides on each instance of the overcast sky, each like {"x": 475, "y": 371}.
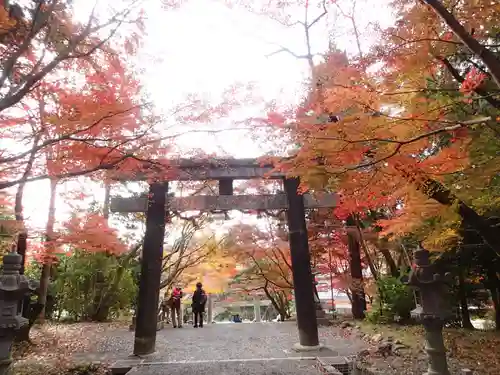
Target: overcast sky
{"x": 205, "y": 47}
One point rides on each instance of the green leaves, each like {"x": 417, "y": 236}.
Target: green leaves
{"x": 82, "y": 280}
{"x": 394, "y": 299}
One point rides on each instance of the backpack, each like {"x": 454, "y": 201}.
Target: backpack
{"x": 200, "y": 297}
{"x": 203, "y": 297}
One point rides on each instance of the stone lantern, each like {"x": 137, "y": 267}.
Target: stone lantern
{"x": 13, "y": 288}
{"x": 433, "y": 311}
{"x": 321, "y": 317}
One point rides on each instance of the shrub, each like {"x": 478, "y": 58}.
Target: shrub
{"x": 88, "y": 286}
{"x": 394, "y": 301}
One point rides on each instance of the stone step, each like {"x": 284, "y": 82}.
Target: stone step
{"x": 337, "y": 365}
{"x": 232, "y": 367}
{"x": 330, "y": 365}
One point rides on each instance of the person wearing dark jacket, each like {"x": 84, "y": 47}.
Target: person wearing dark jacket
{"x": 198, "y": 305}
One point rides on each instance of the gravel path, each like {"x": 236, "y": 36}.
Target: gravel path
{"x": 220, "y": 342}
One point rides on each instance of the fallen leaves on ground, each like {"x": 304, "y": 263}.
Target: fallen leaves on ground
{"x": 52, "y": 346}
{"x": 52, "y": 340}
{"x": 41, "y": 368}
{"x": 477, "y": 350}
{"x": 466, "y": 349}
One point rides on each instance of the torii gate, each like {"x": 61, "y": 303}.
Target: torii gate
{"x": 157, "y": 203}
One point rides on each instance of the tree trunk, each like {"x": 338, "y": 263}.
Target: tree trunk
{"x": 492, "y": 284}
{"x": 22, "y": 246}
{"x": 362, "y": 243}
{"x": 104, "y": 296}
{"x": 107, "y": 200}
{"x": 274, "y": 302}
{"x": 44, "y": 287}
{"x": 32, "y": 313}
{"x": 488, "y": 57}
{"x": 99, "y": 284}
{"x": 18, "y": 205}
{"x": 103, "y": 306}
{"x": 282, "y": 302}
{"x": 497, "y": 307}
{"x": 22, "y": 240}
{"x": 389, "y": 260}
{"x": 49, "y": 249}
{"x": 28, "y": 310}
{"x": 101, "y": 311}
{"x": 356, "y": 269}
{"x": 23, "y": 335}
{"x": 464, "y": 308}
{"x": 348, "y": 294}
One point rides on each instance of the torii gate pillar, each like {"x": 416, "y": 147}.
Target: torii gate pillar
{"x": 151, "y": 266}
{"x": 301, "y": 267}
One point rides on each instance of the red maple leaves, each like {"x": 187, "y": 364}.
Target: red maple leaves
{"x": 91, "y": 232}
{"x": 473, "y": 79}
{"x": 88, "y": 232}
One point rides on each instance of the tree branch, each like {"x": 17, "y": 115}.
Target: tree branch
{"x": 489, "y": 58}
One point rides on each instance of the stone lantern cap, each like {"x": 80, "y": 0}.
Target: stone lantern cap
{"x": 13, "y": 287}
{"x": 12, "y": 261}
{"x": 10, "y": 279}
{"x": 423, "y": 272}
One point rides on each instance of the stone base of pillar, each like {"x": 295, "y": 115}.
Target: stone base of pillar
{"x": 302, "y": 348}
{"x": 122, "y": 367}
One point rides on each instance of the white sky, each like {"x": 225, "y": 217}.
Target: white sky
{"x": 205, "y": 47}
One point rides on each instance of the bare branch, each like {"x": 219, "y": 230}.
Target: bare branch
{"x": 488, "y": 57}
{"x": 287, "y": 50}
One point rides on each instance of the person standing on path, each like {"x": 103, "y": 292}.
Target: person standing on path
{"x": 198, "y": 305}
{"x": 165, "y": 309}
{"x": 176, "y": 307}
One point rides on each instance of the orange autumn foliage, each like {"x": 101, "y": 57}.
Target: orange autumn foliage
{"x": 262, "y": 261}
{"x": 215, "y": 272}
{"x": 383, "y": 127}
{"x": 375, "y": 126}
{"x": 362, "y": 151}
